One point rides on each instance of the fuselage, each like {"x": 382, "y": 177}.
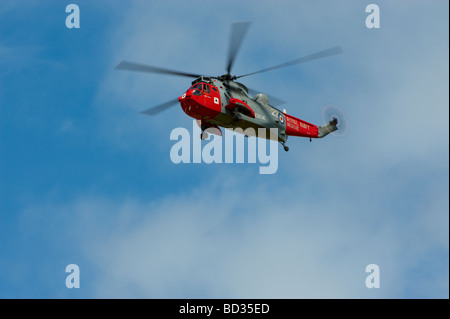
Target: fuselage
{"x": 227, "y": 103}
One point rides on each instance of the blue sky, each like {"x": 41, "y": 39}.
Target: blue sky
{"x": 86, "y": 179}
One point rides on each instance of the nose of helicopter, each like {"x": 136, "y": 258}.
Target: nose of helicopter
{"x": 181, "y": 98}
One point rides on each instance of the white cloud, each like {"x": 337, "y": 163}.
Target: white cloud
{"x": 224, "y": 240}
{"x": 350, "y": 202}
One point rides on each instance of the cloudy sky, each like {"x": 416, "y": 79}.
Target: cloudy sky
{"x": 86, "y": 179}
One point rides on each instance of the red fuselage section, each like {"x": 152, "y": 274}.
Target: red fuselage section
{"x": 201, "y": 101}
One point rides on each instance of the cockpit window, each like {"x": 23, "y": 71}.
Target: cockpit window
{"x": 202, "y": 87}
{"x": 192, "y": 87}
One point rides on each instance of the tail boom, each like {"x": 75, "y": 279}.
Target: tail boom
{"x": 298, "y": 127}
{"x": 328, "y": 128}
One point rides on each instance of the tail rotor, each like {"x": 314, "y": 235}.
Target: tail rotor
{"x": 335, "y": 117}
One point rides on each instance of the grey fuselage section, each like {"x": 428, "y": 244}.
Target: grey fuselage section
{"x": 266, "y": 116}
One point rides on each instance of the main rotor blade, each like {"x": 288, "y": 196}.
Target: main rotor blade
{"x": 238, "y": 31}
{"x": 315, "y": 56}
{"x": 274, "y": 101}
{"x": 125, "y": 65}
{"x": 159, "y": 108}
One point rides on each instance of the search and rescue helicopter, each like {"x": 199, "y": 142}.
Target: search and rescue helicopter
{"x": 216, "y": 101}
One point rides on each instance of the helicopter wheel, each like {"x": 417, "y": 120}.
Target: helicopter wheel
{"x": 237, "y": 117}
{"x": 286, "y": 148}
{"x": 203, "y": 135}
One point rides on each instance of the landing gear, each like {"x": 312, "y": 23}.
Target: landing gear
{"x": 237, "y": 117}
{"x": 286, "y": 148}
{"x": 204, "y": 135}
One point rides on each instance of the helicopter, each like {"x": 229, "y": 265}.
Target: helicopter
{"x": 221, "y": 101}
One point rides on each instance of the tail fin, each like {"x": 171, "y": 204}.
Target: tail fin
{"x": 328, "y": 128}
